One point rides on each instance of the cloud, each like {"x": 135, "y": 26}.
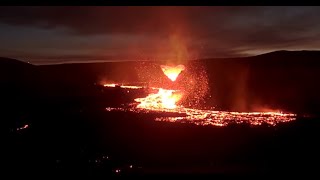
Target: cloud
{"x": 95, "y": 20}
{"x": 146, "y": 31}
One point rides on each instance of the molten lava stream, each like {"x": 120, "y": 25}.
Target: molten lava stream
{"x": 164, "y": 99}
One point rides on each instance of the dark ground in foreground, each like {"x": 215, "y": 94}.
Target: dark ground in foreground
{"x": 93, "y": 142}
{"x": 70, "y": 133}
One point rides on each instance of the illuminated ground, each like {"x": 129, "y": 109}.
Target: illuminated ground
{"x": 163, "y": 102}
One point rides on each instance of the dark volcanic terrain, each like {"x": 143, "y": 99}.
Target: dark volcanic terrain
{"x": 70, "y": 133}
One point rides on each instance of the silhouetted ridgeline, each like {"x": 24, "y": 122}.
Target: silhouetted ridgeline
{"x": 282, "y": 79}
{"x": 18, "y": 86}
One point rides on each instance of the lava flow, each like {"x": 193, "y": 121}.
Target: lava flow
{"x": 122, "y": 86}
{"x": 165, "y": 101}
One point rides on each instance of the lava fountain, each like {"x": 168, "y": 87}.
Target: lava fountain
{"x": 172, "y": 72}
{"x": 164, "y": 98}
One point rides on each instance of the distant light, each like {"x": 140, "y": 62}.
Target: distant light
{"x": 130, "y": 166}
{"x": 23, "y": 127}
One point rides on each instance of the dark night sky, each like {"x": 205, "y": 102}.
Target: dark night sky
{"x": 44, "y": 35}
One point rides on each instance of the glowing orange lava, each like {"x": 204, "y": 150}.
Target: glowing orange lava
{"x": 123, "y": 86}
{"x": 214, "y": 118}
{"x": 172, "y": 72}
{"x": 109, "y": 85}
{"x": 164, "y": 99}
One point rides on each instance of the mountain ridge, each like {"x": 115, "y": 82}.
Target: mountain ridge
{"x": 278, "y": 53}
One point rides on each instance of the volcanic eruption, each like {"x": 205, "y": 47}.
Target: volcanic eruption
{"x": 163, "y": 100}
